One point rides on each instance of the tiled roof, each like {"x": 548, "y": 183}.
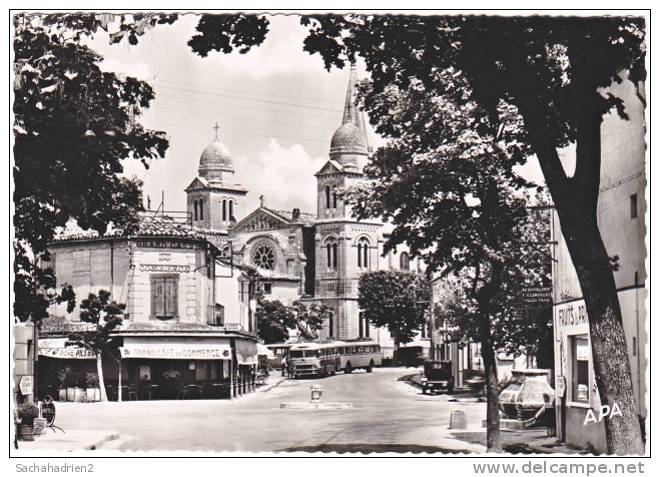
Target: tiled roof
{"x": 151, "y": 224}
{"x": 288, "y": 214}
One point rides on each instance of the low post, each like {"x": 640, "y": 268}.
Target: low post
{"x": 316, "y": 392}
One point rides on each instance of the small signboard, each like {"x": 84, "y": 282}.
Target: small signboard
{"x": 48, "y": 410}
{"x": 26, "y": 385}
{"x": 561, "y": 386}
{"x": 537, "y": 296}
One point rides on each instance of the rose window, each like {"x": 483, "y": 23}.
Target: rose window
{"x": 264, "y": 257}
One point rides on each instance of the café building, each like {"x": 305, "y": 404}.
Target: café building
{"x": 621, "y": 212}
{"x": 187, "y": 332}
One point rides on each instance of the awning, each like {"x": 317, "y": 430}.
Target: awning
{"x": 262, "y": 350}
{"x": 164, "y": 349}
{"x": 56, "y": 348}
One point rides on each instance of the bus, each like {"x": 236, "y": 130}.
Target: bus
{"x": 313, "y": 359}
{"x": 324, "y": 359}
{"x": 279, "y": 350}
{"x": 359, "y": 355}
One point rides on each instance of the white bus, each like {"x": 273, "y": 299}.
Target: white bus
{"x": 313, "y": 359}
{"x": 324, "y": 359}
{"x": 359, "y": 355}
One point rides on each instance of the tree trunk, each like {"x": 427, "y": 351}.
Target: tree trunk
{"x": 576, "y": 202}
{"x": 493, "y": 437}
{"x": 99, "y": 370}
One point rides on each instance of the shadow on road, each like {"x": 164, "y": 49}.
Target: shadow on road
{"x": 370, "y": 448}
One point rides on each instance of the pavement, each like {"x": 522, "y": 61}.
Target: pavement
{"x": 387, "y": 415}
{"x": 68, "y": 441}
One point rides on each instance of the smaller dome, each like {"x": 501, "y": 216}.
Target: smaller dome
{"x": 214, "y": 159}
{"x": 348, "y": 139}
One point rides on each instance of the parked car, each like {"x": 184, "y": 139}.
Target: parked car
{"x": 437, "y": 376}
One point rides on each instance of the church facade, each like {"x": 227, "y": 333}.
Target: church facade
{"x": 312, "y": 256}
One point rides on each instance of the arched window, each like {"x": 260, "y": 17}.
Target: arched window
{"x": 331, "y": 254}
{"x": 327, "y": 197}
{"x": 224, "y": 210}
{"x": 334, "y": 197}
{"x": 331, "y": 325}
{"x": 201, "y": 209}
{"x": 231, "y": 209}
{"x": 195, "y": 209}
{"x": 363, "y": 253}
{"x": 404, "y": 262}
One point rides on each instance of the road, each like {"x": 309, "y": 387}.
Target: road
{"x": 387, "y": 414}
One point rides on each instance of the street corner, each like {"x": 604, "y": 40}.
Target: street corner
{"x": 66, "y": 441}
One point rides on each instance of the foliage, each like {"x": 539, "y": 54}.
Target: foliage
{"x": 73, "y": 126}
{"x": 91, "y": 380}
{"x": 272, "y": 320}
{"x": 308, "y": 319}
{"x": 225, "y": 32}
{"x": 27, "y": 413}
{"x": 395, "y": 299}
{"x": 104, "y": 315}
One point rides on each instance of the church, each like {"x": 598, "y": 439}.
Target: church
{"x": 316, "y": 256}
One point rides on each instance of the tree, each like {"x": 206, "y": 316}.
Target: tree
{"x": 396, "y": 300}
{"x": 456, "y": 204}
{"x": 104, "y": 316}
{"x": 73, "y": 126}
{"x": 308, "y": 319}
{"x": 273, "y": 319}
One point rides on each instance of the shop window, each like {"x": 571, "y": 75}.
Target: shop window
{"x": 164, "y": 297}
{"x": 580, "y": 378}
{"x": 633, "y": 206}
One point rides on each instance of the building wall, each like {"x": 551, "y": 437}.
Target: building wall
{"x": 89, "y": 267}
{"x": 622, "y": 226}
{"x": 126, "y": 269}
{"x": 23, "y": 355}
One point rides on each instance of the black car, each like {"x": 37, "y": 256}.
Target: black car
{"x": 437, "y": 376}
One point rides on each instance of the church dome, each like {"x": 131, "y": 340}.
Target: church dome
{"x": 214, "y": 159}
{"x": 348, "y": 139}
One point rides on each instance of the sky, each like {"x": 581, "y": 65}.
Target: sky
{"x": 276, "y": 106}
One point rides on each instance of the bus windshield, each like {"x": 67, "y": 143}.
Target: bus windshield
{"x": 305, "y": 354}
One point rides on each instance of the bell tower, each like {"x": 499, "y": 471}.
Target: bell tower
{"x": 214, "y": 198}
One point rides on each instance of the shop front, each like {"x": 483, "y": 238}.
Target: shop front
{"x": 577, "y": 393}
{"x": 176, "y": 368}
{"x": 65, "y": 372}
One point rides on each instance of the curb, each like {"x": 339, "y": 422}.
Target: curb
{"x": 270, "y": 386}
